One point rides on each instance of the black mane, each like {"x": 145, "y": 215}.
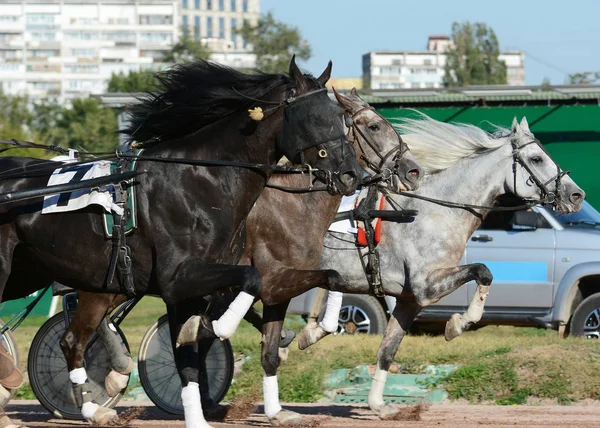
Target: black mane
{"x": 194, "y": 95}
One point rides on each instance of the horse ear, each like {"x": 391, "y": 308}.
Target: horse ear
{"x": 515, "y": 125}
{"x": 353, "y": 92}
{"x": 324, "y": 77}
{"x": 524, "y": 125}
{"x": 295, "y": 73}
{"x": 346, "y": 104}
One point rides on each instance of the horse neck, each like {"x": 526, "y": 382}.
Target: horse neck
{"x": 476, "y": 180}
{"x": 233, "y": 138}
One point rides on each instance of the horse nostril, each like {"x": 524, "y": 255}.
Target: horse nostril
{"x": 576, "y": 197}
{"x": 413, "y": 175}
{"x": 348, "y": 178}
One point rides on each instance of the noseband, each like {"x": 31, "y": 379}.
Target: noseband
{"x": 547, "y": 196}
{"x": 356, "y": 132}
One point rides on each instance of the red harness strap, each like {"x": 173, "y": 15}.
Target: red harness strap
{"x": 361, "y": 236}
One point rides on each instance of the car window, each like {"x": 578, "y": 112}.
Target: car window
{"x": 504, "y": 220}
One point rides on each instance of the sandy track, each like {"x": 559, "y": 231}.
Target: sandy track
{"x": 343, "y": 416}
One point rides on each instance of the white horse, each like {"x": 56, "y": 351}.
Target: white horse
{"x": 419, "y": 260}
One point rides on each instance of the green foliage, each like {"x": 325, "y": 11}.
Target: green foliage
{"x": 585, "y": 78}
{"x": 24, "y": 393}
{"x": 483, "y": 381}
{"x": 473, "y": 60}
{"x": 86, "y": 125}
{"x": 135, "y": 81}
{"x": 187, "y": 49}
{"x": 519, "y": 396}
{"x": 493, "y": 352}
{"x": 273, "y": 43}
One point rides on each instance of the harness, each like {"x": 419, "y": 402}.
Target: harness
{"x": 354, "y": 132}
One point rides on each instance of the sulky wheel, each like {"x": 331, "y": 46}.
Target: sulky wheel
{"x": 159, "y": 377}
{"x": 49, "y": 376}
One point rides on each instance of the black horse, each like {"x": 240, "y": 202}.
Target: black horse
{"x": 191, "y": 219}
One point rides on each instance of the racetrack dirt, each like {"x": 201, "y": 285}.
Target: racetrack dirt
{"x": 31, "y": 414}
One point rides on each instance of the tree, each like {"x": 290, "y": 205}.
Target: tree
{"x": 135, "y": 81}
{"x": 187, "y": 49}
{"x": 585, "y": 78}
{"x": 473, "y": 58}
{"x": 274, "y": 43}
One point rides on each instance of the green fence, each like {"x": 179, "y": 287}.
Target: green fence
{"x": 570, "y": 133}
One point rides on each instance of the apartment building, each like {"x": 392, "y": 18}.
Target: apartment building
{"x": 66, "y": 49}
{"x": 425, "y": 69}
{"x": 214, "y": 23}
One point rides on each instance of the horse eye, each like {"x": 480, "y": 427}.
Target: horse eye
{"x": 374, "y": 126}
{"x": 536, "y": 160}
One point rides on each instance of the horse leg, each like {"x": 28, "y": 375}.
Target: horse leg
{"x": 273, "y": 323}
{"x": 445, "y": 281}
{"x": 120, "y": 359}
{"x": 90, "y": 312}
{"x": 404, "y": 313}
{"x": 214, "y": 277}
{"x": 186, "y": 360}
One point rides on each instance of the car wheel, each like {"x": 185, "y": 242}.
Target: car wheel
{"x": 361, "y": 314}
{"x": 586, "y": 318}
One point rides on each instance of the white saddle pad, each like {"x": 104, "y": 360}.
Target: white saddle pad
{"x": 79, "y": 199}
{"x": 348, "y": 204}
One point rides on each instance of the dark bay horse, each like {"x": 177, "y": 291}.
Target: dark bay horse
{"x": 286, "y": 232}
{"x": 191, "y": 219}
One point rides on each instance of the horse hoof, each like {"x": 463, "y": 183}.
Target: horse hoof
{"x": 310, "y": 334}
{"x": 188, "y": 335}
{"x": 218, "y": 412}
{"x": 453, "y": 327}
{"x": 387, "y": 412}
{"x": 115, "y": 382}
{"x": 286, "y": 418}
{"x": 104, "y": 416}
{"x": 287, "y": 336}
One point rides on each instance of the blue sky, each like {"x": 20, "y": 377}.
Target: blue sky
{"x": 558, "y": 37}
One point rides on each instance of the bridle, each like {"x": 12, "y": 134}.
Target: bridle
{"x": 547, "y": 196}
{"x": 354, "y": 132}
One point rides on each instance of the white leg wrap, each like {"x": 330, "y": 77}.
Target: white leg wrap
{"x": 376, "y": 393}
{"x": 271, "y": 396}
{"x": 332, "y": 311}
{"x": 88, "y": 409}
{"x": 225, "y": 326}
{"x": 475, "y": 310}
{"x": 79, "y": 377}
{"x": 192, "y": 407}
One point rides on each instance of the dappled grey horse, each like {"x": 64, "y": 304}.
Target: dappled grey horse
{"x": 419, "y": 260}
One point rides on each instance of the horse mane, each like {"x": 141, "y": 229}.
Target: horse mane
{"x": 438, "y": 145}
{"x": 191, "y": 96}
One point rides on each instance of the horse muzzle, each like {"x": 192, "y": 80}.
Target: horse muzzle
{"x": 406, "y": 175}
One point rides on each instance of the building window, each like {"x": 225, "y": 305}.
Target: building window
{"x": 197, "y": 4}
{"x": 209, "y": 26}
{"x": 208, "y": 4}
{"x": 197, "y": 27}
{"x": 233, "y": 5}
{"x": 184, "y": 4}
{"x": 426, "y": 62}
{"x": 185, "y": 21}
{"x": 244, "y": 5}
{"x": 221, "y": 5}
{"x": 233, "y": 30}
{"x": 221, "y": 28}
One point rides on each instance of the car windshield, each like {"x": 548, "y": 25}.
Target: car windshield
{"x": 587, "y": 217}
